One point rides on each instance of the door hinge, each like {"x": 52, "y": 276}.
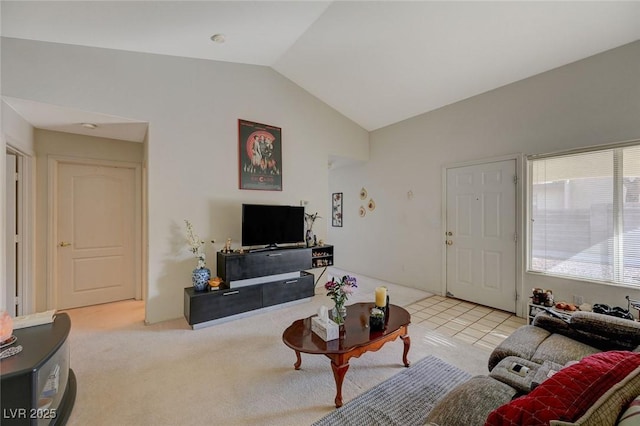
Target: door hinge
{"x": 515, "y": 237}
{"x": 17, "y": 301}
{"x": 17, "y": 177}
{"x": 515, "y": 179}
{"x": 16, "y": 238}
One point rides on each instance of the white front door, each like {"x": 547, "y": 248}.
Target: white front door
{"x": 481, "y": 234}
{"x": 96, "y": 230}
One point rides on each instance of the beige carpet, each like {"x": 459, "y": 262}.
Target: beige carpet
{"x": 236, "y": 373}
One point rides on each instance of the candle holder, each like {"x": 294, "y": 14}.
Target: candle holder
{"x": 385, "y": 308}
{"x": 376, "y": 319}
{"x": 386, "y": 311}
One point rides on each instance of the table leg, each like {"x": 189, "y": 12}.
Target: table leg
{"x": 338, "y": 373}
{"x": 407, "y": 344}
{"x": 298, "y": 361}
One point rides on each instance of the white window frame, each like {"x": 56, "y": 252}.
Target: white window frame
{"x": 618, "y": 202}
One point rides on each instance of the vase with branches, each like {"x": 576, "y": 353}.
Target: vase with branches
{"x": 309, "y": 220}
{"x": 201, "y": 275}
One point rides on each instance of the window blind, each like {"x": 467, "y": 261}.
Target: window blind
{"x": 584, "y": 212}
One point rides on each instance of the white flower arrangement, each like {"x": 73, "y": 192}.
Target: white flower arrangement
{"x": 196, "y": 245}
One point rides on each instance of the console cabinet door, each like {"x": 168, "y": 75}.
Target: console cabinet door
{"x": 284, "y": 291}
{"x": 250, "y": 265}
{"x": 207, "y": 306}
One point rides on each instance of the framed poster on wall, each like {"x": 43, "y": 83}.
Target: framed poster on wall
{"x": 260, "y": 156}
{"x": 336, "y": 209}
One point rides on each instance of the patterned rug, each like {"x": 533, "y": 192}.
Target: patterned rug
{"x": 404, "y": 399}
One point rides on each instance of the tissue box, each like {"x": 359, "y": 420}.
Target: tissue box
{"x": 326, "y": 329}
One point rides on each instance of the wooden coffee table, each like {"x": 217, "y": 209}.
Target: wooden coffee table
{"x": 355, "y": 339}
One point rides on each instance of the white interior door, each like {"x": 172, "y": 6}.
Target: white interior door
{"x": 481, "y": 234}
{"x": 96, "y": 227}
{"x": 11, "y": 275}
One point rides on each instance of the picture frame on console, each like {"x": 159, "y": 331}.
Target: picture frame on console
{"x": 260, "y": 156}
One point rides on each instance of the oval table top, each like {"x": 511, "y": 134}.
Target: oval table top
{"x": 298, "y": 336}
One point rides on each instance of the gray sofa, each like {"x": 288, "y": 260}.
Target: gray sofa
{"x": 532, "y": 354}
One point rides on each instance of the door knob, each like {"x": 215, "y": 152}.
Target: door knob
{"x": 449, "y": 242}
{"x": 64, "y": 244}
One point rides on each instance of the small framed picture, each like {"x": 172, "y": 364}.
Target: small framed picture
{"x": 260, "y": 156}
{"x": 336, "y": 209}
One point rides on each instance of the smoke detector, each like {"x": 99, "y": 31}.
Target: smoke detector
{"x": 218, "y": 38}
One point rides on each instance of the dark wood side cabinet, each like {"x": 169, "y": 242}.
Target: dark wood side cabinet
{"x": 321, "y": 256}
{"x": 254, "y": 281}
{"x": 38, "y": 387}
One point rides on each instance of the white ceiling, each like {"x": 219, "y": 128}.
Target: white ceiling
{"x": 377, "y": 63}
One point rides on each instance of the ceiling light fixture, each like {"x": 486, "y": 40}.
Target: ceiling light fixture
{"x": 89, "y": 125}
{"x": 218, "y": 38}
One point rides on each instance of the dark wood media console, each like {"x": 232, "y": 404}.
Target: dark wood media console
{"x": 38, "y": 385}
{"x": 254, "y": 281}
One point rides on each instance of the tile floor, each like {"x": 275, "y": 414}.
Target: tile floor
{"x": 471, "y": 323}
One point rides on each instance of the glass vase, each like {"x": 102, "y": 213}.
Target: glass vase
{"x": 339, "y": 313}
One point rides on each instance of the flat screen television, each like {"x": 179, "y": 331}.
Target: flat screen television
{"x": 270, "y": 225}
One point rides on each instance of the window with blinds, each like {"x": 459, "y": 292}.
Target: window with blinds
{"x": 584, "y": 214}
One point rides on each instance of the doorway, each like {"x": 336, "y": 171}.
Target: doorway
{"x": 13, "y": 242}
{"x": 19, "y": 228}
{"x": 481, "y": 233}
{"x": 96, "y": 224}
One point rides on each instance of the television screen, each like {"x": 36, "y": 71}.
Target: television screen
{"x": 270, "y": 224}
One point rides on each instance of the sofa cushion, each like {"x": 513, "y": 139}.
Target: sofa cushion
{"x": 521, "y": 343}
{"x": 561, "y": 349}
{"x": 569, "y": 393}
{"x": 470, "y": 402}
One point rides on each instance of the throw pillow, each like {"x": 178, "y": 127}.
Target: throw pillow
{"x": 608, "y": 407}
{"x": 569, "y": 393}
{"x": 631, "y": 416}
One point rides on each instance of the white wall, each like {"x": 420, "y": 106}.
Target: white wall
{"x": 593, "y": 101}
{"x": 192, "y": 107}
{"x": 17, "y": 131}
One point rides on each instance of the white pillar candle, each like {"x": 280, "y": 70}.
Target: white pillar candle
{"x": 381, "y": 296}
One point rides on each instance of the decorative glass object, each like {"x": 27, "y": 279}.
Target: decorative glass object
{"x": 339, "y": 313}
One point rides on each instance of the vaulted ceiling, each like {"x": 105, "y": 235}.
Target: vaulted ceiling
{"x": 377, "y": 63}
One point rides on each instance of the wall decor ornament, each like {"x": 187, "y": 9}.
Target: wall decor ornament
{"x": 363, "y": 211}
{"x": 372, "y": 204}
{"x": 363, "y": 193}
{"x": 260, "y": 156}
{"x": 336, "y": 209}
